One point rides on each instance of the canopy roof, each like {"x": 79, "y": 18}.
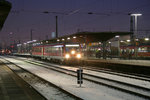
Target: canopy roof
{"x": 88, "y": 37}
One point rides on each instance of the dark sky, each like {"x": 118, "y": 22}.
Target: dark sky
{"x": 109, "y": 15}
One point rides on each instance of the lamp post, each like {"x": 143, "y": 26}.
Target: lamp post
{"x": 56, "y": 17}
{"x": 135, "y": 21}
{"x": 118, "y": 40}
{"x": 135, "y": 30}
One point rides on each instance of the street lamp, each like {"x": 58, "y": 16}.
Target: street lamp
{"x": 135, "y": 30}
{"x": 135, "y": 21}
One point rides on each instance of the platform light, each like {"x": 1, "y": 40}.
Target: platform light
{"x": 99, "y": 49}
{"x": 146, "y": 39}
{"x": 78, "y": 56}
{"x": 72, "y": 45}
{"x": 128, "y": 40}
{"x": 68, "y": 38}
{"x": 109, "y": 42}
{"x": 58, "y": 40}
{"x": 63, "y": 39}
{"x": 46, "y": 41}
{"x": 121, "y": 41}
{"x": 117, "y": 36}
{"x": 74, "y": 37}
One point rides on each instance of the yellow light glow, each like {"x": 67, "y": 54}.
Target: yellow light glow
{"x": 128, "y": 40}
{"x": 78, "y": 56}
{"x": 146, "y": 39}
{"x": 72, "y": 52}
{"x": 67, "y": 56}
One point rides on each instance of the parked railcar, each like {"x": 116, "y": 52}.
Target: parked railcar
{"x": 142, "y": 51}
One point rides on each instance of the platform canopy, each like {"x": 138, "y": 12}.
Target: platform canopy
{"x": 5, "y": 7}
{"x": 89, "y": 37}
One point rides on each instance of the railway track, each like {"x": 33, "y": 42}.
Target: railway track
{"x": 121, "y": 86}
{"x": 130, "y": 75}
{"x": 27, "y": 75}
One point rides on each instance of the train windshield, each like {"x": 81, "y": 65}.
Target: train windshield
{"x": 72, "y": 47}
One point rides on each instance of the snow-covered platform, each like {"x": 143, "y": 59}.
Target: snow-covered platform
{"x": 127, "y": 66}
{"x": 121, "y": 61}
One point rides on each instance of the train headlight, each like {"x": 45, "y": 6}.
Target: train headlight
{"x": 73, "y": 52}
{"x": 78, "y": 56}
{"x": 67, "y": 56}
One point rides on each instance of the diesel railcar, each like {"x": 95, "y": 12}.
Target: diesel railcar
{"x": 58, "y": 52}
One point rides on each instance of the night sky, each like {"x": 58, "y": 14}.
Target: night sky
{"x": 108, "y": 15}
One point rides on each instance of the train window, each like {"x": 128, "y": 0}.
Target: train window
{"x": 143, "y": 49}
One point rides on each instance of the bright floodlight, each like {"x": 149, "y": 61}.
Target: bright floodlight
{"x": 136, "y": 14}
{"x": 68, "y": 38}
{"x": 78, "y": 56}
{"x": 128, "y": 40}
{"x": 117, "y": 36}
{"x": 67, "y": 56}
{"x": 146, "y": 39}
{"x": 74, "y": 37}
{"x": 121, "y": 41}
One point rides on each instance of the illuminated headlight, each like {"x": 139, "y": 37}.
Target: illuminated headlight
{"x": 67, "y": 56}
{"x": 73, "y": 52}
{"x": 78, "y": 56}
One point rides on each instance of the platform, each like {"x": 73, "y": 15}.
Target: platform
{"x": 121, "y": 61}
{"x": 12, "y": 87}
{"x": 129, "y": 66}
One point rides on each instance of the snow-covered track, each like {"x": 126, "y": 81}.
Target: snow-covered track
{"x": 64, "y": 93}
{"x": 125, "y": 74}
{"x": 122, "y": 86}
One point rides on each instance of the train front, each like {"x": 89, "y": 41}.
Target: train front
{"x": 72, "y": 54}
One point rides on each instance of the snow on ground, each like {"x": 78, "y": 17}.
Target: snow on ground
{"x": 45, "y": 89}
{"x": 137, "y": 82}
{"x": 88, "y": 91}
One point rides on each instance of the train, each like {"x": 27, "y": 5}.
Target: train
{"x": 58, "y": 52}
{"x": 138, "y": 52}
